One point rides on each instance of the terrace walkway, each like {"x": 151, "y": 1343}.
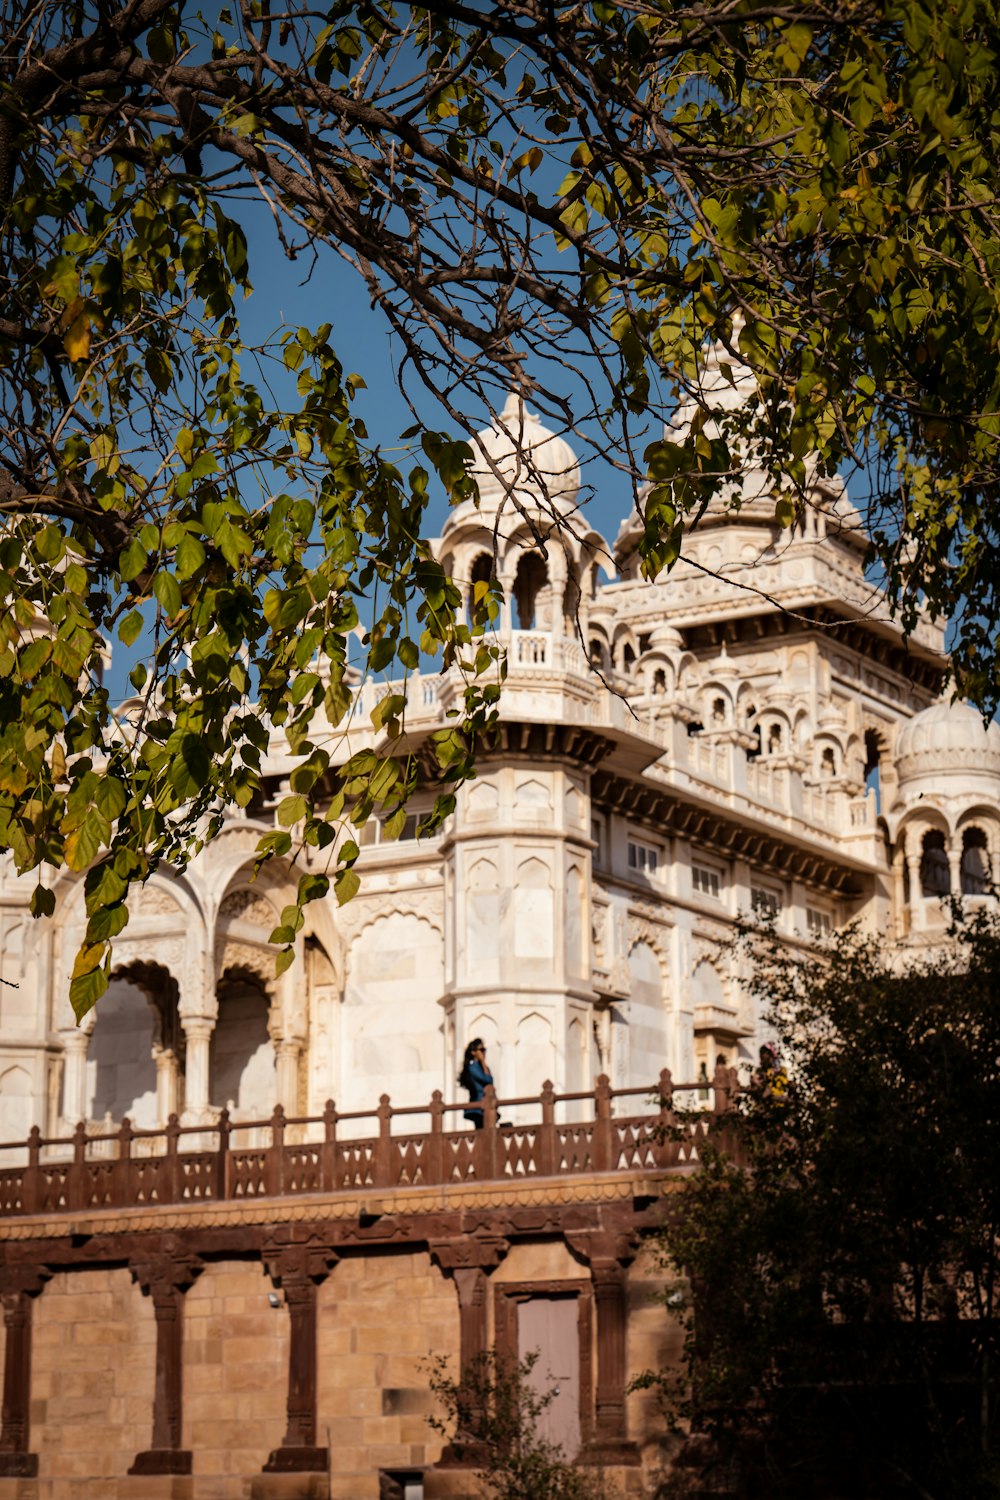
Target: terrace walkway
{"x": 651, "y": 1129}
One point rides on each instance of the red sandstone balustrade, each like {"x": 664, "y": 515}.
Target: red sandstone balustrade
{"x": 131, "y": 1168}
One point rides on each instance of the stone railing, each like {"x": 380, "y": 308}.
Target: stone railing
{"x": 130, "y": 1168}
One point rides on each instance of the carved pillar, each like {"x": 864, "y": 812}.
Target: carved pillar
{"x": 164, "y": 1280}
{"x": 75, "y": 1044}
{"x": 167, "y": 1078}
{"x": 955, "y": 864}
{"x": 288, "y": 1052}
{"x": 469, "y": 1261}
{"x": 198, "y": 1038}
{"x": 558, "y": 579}
{"x": 607, "y": 1254}
{"x": 19, "y": 1286}
{"x": 916, "y": 891}
{"x": 505, "y": 575}
{"x": 298, "y": 1268}
{"x": 899, "y": 891}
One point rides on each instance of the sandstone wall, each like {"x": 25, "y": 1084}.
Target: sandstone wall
{"x": 380, "y": 1320}
{"x": 235, "y": 1377}
{"x": 94, "y": 1344}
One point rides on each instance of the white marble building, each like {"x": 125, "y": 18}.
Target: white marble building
{"x": 751, "y": 731}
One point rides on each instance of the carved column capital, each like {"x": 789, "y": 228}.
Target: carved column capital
{"x": 295, "y": 1265}
{"x": 606, "y": 1251}
{"x": 22, "y": 1281}
{"x": 166, "y": 1276}
{"x": 482, "y": 1252}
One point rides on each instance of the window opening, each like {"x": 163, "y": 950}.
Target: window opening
{"x": 764, "y": 901}
{"x": 975, "y": 863}
{"x": 532, "y": 577}
{"x": 935, "y": 877}
{"x": 873, "y": 751}
{"x": 642, "y": 857}
{"x": 706, "y": 881}
{"x": 819, "y": 924}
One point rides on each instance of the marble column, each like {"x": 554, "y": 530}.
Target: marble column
{"x": 167, "y": 1079}
{"x": 289, "y": 1053}
{"x": 899, "y": 892}
{"x": 75, "y": 1045}
{"x": 916, "y": 892}
{"x": 198, "y": 1039}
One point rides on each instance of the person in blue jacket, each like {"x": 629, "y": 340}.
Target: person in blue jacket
{"x": 475, "y": 1076}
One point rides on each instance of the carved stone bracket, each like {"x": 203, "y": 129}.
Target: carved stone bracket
{"x": 297, "y": 1266}
{"x": 19, "y": 1285}
{"x": 164, "y": 1279}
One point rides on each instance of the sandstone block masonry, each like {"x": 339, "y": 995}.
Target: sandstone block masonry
{"x": 260, "y": 1350}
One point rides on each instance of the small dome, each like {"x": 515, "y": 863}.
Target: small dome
{"x": 666, "y": 637}
{"x": 528, "y": 457}
{"x": 726, "y": 385}
{"x": 947, "y": 737}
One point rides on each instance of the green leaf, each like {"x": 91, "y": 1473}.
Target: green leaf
{"x": 43, "y": 901}
{"x": 83, "y": 844}
{"x": 189, "y": 557}
{"x": 346, "y": 884}
{"x": 132, "y": 560}
{"x": 106, "y": 922}
{"x": 291, "y": 810}
{"x": 283, "y": 962}
{"x": 167, "y": 591}
{"x": 190, "y": 767}
{"x": 130, "y": 628}
{"x": 86, "y": 988}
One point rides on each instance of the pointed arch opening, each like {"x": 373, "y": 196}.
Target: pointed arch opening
{"x": 976, "y": 874}
{"x": 935, "y": 877}
{"x": 531, "y": 579}
{"x": 242, "y": 1065}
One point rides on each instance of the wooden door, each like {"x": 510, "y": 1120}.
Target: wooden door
{"x": 549, "y": 1324}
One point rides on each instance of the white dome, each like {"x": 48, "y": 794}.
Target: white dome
{"x": 528, "y": 458}
{"x": 947, "y": 737}
{"x": 726, "y": 385}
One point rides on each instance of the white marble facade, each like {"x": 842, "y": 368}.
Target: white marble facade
{"x": 750, "y": 731}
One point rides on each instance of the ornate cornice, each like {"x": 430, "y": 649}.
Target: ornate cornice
{"x": 673, "y": 817}
{"x": 389, "y": 1208}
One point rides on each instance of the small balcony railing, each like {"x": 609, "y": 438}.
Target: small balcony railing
{"x": 181, "y": 1164}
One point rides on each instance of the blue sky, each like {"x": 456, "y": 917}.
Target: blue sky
{"x": 325, "y": 289}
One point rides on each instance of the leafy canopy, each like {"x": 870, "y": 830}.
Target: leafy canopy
{"x": 843, "y": 1242}
{"x": 525, "y": 189}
